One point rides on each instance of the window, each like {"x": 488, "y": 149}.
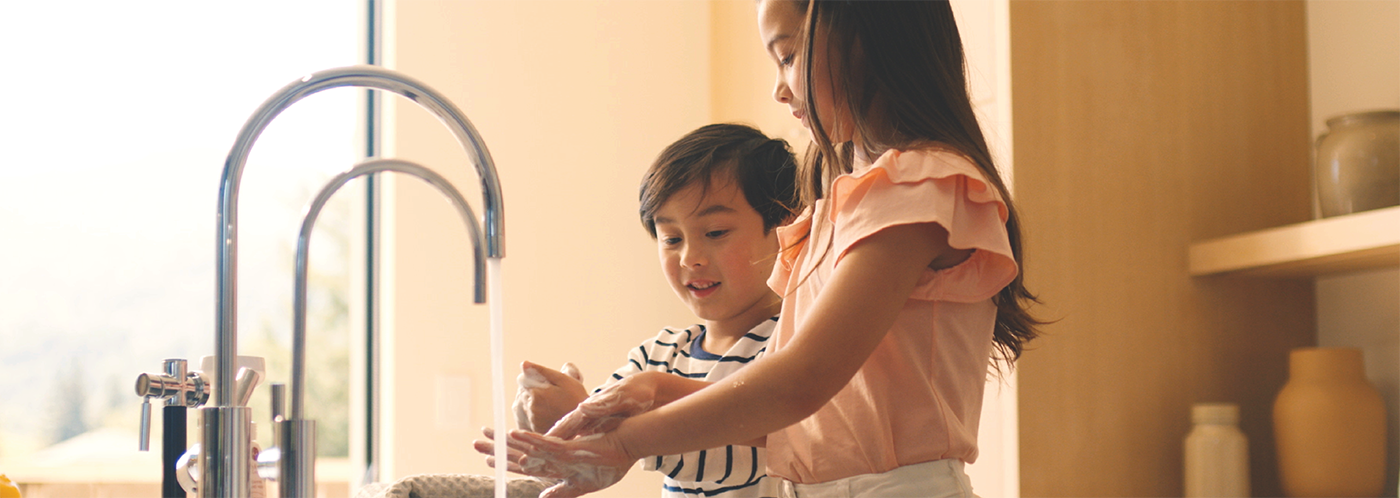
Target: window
{"x": 117, "y": 120}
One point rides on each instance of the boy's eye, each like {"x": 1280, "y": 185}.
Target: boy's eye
{"x": 670, "y": 241}
{"x": 716, "y": 233}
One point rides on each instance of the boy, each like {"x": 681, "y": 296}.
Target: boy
{"x": 711, "y": 200}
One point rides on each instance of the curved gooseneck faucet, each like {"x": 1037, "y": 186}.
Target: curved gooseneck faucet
{"x": 296, "y": 441}
{"x": 296, "y": 409}
{"x": 352, "y": 76}
{"x": 225, "y": 469}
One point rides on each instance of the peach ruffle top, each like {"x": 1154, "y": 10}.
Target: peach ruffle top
{"x": 919, "y": 395}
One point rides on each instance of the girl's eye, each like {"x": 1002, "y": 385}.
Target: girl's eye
{"x": 785, "y": 61}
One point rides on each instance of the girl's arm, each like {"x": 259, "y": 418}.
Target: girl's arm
{"x": 673, "y": 388}
{"x": 849, "y": 319}
{"x": 627, "y": 397}
{"x": 871, "y": 284}
{"x": 670, "y": 388}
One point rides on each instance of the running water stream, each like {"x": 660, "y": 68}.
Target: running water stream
{"x": 498, "y": 391}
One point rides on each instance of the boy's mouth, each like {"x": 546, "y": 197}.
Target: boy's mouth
{"x": 702, "y": 288}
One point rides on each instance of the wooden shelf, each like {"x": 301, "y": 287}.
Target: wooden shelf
{"x": 1361, "y": 241}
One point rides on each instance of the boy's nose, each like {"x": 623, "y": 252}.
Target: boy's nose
{"x": 692, "y": 258}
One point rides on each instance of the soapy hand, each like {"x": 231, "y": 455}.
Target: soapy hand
{"x": 602, "y": 412}
{"x": 583, "y": 465}
{"x": 545, "y": 395}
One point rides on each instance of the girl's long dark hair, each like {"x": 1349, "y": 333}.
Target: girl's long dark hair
{"x": 899, "y": 77}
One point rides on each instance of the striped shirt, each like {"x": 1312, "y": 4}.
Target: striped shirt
{"x": 733, "y": 471}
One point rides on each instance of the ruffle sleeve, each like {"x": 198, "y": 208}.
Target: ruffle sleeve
{"x": 930, "y": 186}
{"x": 791, "y": 240}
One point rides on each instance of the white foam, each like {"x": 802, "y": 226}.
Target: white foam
{"x": 531, "y": 379}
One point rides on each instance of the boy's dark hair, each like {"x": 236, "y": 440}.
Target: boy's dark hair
{"x": 763, "y": 168}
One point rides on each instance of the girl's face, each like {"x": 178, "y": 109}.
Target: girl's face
{"x": 780, "y": 23}
{"x": 716, "y": 256}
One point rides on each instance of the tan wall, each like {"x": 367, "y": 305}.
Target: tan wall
{"x": 1141, "y": 127}
{"x": 574, "y": 99}
{"x": 1354, "y": 65}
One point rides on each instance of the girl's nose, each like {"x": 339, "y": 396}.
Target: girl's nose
{"x": 781, "y": 92}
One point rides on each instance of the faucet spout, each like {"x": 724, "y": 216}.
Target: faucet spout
{"x": 304, "y": 247}
{"x": 297, "y": 473}
{"x": 351, "y": 76}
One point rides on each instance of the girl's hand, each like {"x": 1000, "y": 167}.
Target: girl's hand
{"x": 602, "y": 412}
{"x": 545, "y": 395}
{"x": 582, "y": 465}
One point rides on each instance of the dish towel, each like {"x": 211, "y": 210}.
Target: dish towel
{"x": 451, "y": 486}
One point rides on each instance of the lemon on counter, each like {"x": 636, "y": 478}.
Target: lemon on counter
{"x": 8, "y": 489}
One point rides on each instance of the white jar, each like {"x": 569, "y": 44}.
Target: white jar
{"x": 1217, "y": 453}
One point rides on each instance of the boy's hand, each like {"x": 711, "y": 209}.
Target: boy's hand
{"x": 545, "y": 395}
{"x": 602, "y": 412}
{"x": 581, "y": 466}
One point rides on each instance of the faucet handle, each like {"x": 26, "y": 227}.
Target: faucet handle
{"x": 145, "y": 424}
{"x": 150, "y": 386}
{"x": 175, "y": 384}
{"x": 243, "y": 384}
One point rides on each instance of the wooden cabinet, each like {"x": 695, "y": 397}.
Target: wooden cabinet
{"x": 1139, "y": 129}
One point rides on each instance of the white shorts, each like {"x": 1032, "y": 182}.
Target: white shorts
{"x": 936, "y": 479}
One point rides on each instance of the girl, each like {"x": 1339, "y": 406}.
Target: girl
{"x": 900, "y": 280}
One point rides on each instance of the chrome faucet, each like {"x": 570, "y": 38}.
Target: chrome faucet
{"x": 291, "y": 462}
{"x": 224, "y": 459}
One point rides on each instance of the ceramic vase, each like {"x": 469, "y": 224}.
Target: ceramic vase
{"x": 1358, "y": 163}
{"x": 1329, "y": 426}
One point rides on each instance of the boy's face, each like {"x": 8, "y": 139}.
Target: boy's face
{"x": 716, "y": 255}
